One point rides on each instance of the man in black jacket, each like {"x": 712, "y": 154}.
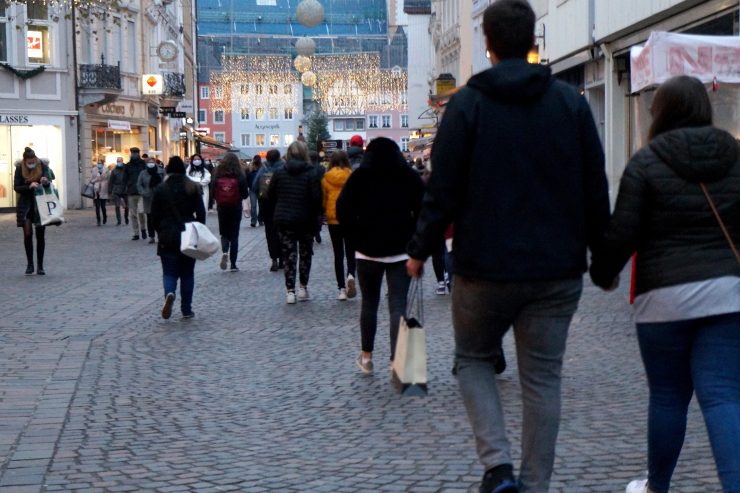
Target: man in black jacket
{"x": 135, "y": 201}
{"x": 518, "y": 168}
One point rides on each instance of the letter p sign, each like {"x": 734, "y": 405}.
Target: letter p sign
{"x": 51, "y": 205}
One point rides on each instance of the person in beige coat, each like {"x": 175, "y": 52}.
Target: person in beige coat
{"x": 99, "y": 178}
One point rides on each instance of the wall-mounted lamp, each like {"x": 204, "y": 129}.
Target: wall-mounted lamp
{"x": 189, "y": 120}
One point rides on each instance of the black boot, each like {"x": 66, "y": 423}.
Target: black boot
{"x": 28, "y": 245}
{"x": 274, "y": 266}
{"x": 280, "y": 264}
{"x": 40, "y": 247}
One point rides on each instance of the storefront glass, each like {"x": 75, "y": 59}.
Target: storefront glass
{"x": 45, "y": 140}
{"x": 110, "y": 144}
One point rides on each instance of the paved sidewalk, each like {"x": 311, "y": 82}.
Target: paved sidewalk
{"x": 98, "y": 394}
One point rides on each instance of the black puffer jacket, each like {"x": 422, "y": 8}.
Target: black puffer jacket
{"x": 295, "y": 196}
{"x": 176, "y": 201}
{"x": 662, "y": 214}
{"x": 131, "y": 173}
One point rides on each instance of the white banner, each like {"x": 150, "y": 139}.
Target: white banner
{"x": 119, "y": 125}
{"x": 667, "y": 55}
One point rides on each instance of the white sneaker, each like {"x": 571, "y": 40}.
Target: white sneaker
{"x": 637, "y": 486}
{"x": 342, "y": 296}
{"x": 303, "y": 294}
{"x": 290, "y": 298}
{"x": 351, "y": 288}
{"x": 441, "y": 288}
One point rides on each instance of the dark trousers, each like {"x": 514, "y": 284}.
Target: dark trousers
{"x": 271, "y": 234}
{"x": 703, "y": 356}
{"x": 438, "y": 261}
{"x": 342, "y": 246}
{"x": 297, "y": 249}
{"x": 120, "y": 200}
{"x": 178, "y": 266}
{"x": 100, "y": 208}
{"x": 150, "y": 225}
{"x": 229, "y": 220}
{"x": 370, "y": 277}
{"x": 40, "y": 243}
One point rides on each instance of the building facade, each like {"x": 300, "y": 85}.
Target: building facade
{"x": 37, "y": 96}
{"x": 422, "y": 71}
{"x": 214, "y": 121}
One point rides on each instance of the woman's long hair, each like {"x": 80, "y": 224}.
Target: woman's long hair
{"x": 339, "y": 159}
{"x": 680, "y": 102}
{"x": 298, "y": 151}
{"x": 229, "y": 166}
{"x": 202, "y": 169}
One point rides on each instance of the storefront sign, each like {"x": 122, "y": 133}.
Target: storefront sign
{"x": 667, "y": 55}
{"x": 119, "y": 125}
{"x": 167, "y": 110}
{"x": 113, "y": 109}
{"x": 186, "y": 106}
{"x": 445, "y": 83}
{"x": 177, "y": 114}
{"x": 152, "y": 84}
{"x": 14, "y": 119}
{"x": 35, "y": 44}
{"x": 274, "y": 126}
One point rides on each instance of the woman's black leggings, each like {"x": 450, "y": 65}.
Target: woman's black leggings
{"x": 28, "y": 228}
{"x": 229, "y": 220}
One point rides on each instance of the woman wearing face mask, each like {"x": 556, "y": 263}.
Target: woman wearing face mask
{"x": 148, "y": 181}
{"x": 31, "y": 173}
{"x": 198, "y": 172}
{"x": 117, "y": 189}
{"x": 99, "y": 178}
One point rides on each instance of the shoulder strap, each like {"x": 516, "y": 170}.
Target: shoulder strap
{"x": 721, "y": 223}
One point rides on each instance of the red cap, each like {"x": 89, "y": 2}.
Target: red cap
{"x": 356, "y": 141}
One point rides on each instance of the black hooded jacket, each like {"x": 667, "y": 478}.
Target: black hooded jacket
{"x": 518, "y": 167}
{"x": 131, "y": 173}
{"x": 295, "y": 196}
{"x": 662, "y": 214}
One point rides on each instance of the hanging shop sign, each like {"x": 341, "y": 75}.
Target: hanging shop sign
{"x": 167, "y": 110}
{"x": 666, "y": 55}
{"x": 152, "y": 84}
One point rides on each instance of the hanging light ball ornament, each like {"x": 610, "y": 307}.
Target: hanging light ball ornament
{"x": 302, "y": 63}
{"x": 309, "y": 13}
{"x": 308, "y": 79}
{"x": 305, "y": 46}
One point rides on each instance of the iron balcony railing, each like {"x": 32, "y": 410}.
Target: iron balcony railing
{"x": 102, "y": 76}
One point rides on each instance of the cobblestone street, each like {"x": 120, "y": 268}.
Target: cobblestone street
{"x": 98, "y": 393}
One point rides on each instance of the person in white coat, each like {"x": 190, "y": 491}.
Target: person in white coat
{"x": 199, "y": 174}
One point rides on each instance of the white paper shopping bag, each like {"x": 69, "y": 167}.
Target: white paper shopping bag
{"x": 49, "y": 206}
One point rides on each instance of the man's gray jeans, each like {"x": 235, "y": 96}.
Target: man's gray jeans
{"x": 540, "y": 312}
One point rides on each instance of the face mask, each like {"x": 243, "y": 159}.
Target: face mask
{"x": 100, "y": 166}
{"x": 119, "y": 165}
{"x": 31, "y": 165}
{"x": 150, "y": 165}
{"x": 197, "y": 162}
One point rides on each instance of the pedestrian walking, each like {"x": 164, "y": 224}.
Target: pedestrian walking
{"x": 377, "y": 210}
{"x": 132, "y": 170}
{"x": 31, "y": 173}
{"x": 355, "y": 151}
{"x": 262, "y": 187}
{"x": 230, "y": 188}
{"x": 198, "y": 172}
{"x": 687, "y": 280}
{"x": 149, "y": 179}
{"x": 117, "y": 189}
{"x": 331, "y": 185}
{"x": 177, "y": 201}
{"x": 517, "y": 162}
{"x": 99, "y": 178}
{"x": 319, "y": 170}
{"x": 253, "y": 197}
{"x": 294, "y": 195}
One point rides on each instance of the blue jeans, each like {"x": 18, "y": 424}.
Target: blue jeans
{"x": 540, "y": 312}
{"x": 701, "y": 355}
{"x": 178, "y": 266}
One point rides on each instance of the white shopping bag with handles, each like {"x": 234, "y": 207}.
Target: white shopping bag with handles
{"x": 197, "y": 241}
{"x": 49, "y": 206}
{"x": 410, "y": 360}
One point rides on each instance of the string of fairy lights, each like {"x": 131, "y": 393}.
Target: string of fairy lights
{"x": 65, "y": 4}
{"x": 342, "y": 84}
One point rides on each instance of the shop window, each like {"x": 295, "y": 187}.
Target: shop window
{"x": 259, "y": 114}
{"x": 274, "y": 140}
{"x": 339, "y": 125}
{"x": 386, "y": 121}
{"x": 245, "y": 114}
{"x": 202, "y": 118}
{"x": 288, "y": 139}
{"x": 372, "y": 121}
{"x": 404, "y": 144}
{"x": 259, "y": 140}
{"x": 404, "y": 121}
{"x": 219, "y": 136}
{"x": 218, "y": 116}
{"x": 38, "y": 49}
{"x": 288, "y": 113}
{"x": 246, "y": 140}
{"x": 205, "y": 92}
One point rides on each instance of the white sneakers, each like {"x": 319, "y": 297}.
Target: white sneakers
{"x": 342, "y": 296}
{"x": 303, "y": 294}
{"x": 290, "y": 298}
{"x": 637, "y": 486}
{"x": 351, "y": 288}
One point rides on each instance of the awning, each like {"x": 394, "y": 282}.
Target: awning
{"x": 666, "y": 55}
{"x": 204, "y": 139}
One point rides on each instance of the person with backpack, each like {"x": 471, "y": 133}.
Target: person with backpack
{"x": 262, "y": 185}
{"x": 295, "y": 197}
{"x": 230, "y": 189}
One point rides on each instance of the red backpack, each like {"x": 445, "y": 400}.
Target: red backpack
{"x": 227, "y": 191}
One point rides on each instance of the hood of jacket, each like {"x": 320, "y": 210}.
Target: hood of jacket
{"x": 697, "y": 154}
{"x": 513, "y": 80}
{"x": 296, "y": 167}
{"x": 354, "y": 151}
{"x": 336, "y": 177}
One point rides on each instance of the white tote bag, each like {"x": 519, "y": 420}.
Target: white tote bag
{"x": 197, "y": 241}
{"x": 410, "y": 360}
{"x": 49, "y": 206}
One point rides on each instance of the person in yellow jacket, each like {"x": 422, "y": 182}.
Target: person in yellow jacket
{"x": 331, "y": 185}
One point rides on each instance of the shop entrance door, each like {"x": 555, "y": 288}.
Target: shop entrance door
{"x": 7, "y": 169}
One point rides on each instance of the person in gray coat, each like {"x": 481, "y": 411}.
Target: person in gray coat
{"x": 148, "y": 180}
